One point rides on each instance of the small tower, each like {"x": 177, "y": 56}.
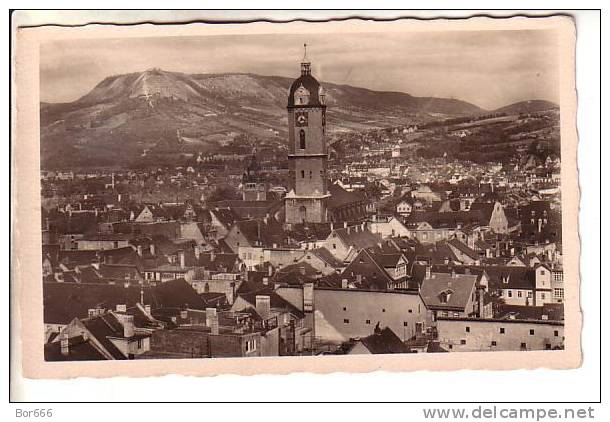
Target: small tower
{"x": 253, "y": 188}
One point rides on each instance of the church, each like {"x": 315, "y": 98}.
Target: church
{"x": 312, "y": 200}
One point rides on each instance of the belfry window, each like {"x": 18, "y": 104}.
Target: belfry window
{"x": 302, "y": 139}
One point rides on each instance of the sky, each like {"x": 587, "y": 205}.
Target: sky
{"x": 490, "y": 69}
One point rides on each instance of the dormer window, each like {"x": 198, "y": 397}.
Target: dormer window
{"x": 301, "y": 96}
{"x": 445, "y": 295}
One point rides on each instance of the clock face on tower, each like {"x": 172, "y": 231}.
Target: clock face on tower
{"x": 301, "y": 119}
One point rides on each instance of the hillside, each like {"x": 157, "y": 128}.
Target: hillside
{"x": 531, "y": 106}
{"x": 125, "y": 115}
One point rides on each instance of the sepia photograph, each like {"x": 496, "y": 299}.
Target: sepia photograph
{"x": 304, "y": 193}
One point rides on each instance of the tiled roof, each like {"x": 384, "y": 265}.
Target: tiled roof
{"x": 79, "y": 349}
{"x": 447, "y": 291}
{"x": 384, "y": 341}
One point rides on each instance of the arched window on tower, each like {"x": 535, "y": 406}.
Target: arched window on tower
{"x": 302, "y": 139}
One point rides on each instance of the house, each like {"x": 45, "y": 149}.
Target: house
{"x": 450, "y": 294}
{"x": 254, "y": 235}
{"x": 322, "y": 260}
{"x": 426, "y": 194}
{"x": 113, "y": 335}
{"x": 388, "y": 226}
{"x": 382, "y": 341}
{"x": 463, "y": 252}
{"x": 345, "y": 242}
{"x": 521, "y": 285}
{"x": 493, "y": 215}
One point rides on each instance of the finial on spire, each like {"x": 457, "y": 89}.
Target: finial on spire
{"x": 305, "y": 64}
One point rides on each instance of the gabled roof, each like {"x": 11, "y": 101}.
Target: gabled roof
{"x": 62, "y": 302}
{"x": 79, "y": 349}
{"x": 384, "y": 341}
{"x": 340, "y": 197}
{"x": 259, "y": 232}
{"x": 448, "y": 291}
{"x": 357, "y": 237}
{"x": 325, "y": 255}
{"x": 465, "y": 249}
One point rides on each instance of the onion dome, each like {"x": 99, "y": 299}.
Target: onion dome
{"x": 305, "y": 91}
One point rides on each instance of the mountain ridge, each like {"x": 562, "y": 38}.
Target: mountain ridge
{"x": 129, "y": 114}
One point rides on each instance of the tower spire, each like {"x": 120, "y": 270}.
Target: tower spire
{"x": 305, "y": 63}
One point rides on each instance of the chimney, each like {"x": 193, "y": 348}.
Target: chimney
{"x": 453, "y": 274}
{"x": 212, "y": 256}
{"x": 214, "y": 330}
{"x": 121, "y": 308}
{"x": 345, "y": 224}
{"x": 263, "y": 306}
{"x": 181, "y": 256}
{"x": 210, "y": 314}
{"x": 197, "y": 252}
{"x": 128, "y": 327}
{"x": 332, "y": 226}
{"x": 147, "y": 309}
{"x": 344, "y": 284}
{"x": 348, "y": 230}
{"x": 139, "y": 250}
{"x": 230, "y": 293}
{"x": 270, "y": 272}
{"x": 302, "y": 270}
{"x": 428, "y": 272}
{"x": 65, "y": 345}
{"x": 152, "y": 248}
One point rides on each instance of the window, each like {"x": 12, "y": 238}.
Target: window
{"x": 250, "y": 345}
{"x": 542, "y": 272}
{"x": 547, "y": 346}
{"x": 344, "y": 308}
{"x": 529, "y": 294}
{"x": 519, "y": 293}
{"x": 310, "y": 174}
{"x": 139, "y": 343}
{"x": 405, "y": 324}
{"x": 334, "y": 246}
{"x": 302, "y": 139}
{"x": 302, "y": 174}
{"x": 494, "y": 343}
{"x": 556, "y": 333}
{"x": 542, "y": 296}
{"x": 467, "y": 329}
{"x": 559, "y": 293}
{"x": 450, "y": 346}
{"x": 368, "y": 321}
{"x": 502, "y": 331}
{"x": 346, "y": 321}
{"x": 523, "y": 345}
{"x": 383, "y": 310}
{"x": 531, "y": 332}
{"x": 510, "y": 293}
{"x": 462, "y": 342}
{"x": 410, "y": 311}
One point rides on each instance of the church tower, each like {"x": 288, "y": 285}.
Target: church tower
{"x": 306, "y": 203}
{"x": 253, "y": 188}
